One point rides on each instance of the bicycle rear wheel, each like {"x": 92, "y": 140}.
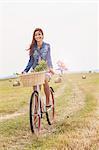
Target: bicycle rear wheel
{"x": 50, "y": 112}
{"x": 35, "y": 113}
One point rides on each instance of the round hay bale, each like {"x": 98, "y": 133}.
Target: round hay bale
{"x": 16, "y": 83}
{"x": 10, "y": 80}
{"x": 83, "y": 77}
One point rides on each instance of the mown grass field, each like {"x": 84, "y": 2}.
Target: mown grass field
{"x": 76, "y": 125}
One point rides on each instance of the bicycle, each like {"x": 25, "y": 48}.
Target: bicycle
{"x": 38, "y": 103}
{"x": 37, "y": 110}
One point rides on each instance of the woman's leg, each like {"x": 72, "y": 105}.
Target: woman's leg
{"x": 47, "y": 92}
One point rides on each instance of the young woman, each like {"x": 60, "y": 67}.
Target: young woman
{"x": 39, "y": 50}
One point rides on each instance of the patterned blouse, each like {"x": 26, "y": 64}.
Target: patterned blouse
{"x": 42, "y": 53}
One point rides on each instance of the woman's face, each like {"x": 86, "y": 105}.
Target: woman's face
{"x": 38, "y": 36}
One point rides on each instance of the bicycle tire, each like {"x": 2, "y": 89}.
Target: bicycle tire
{"x": 50, "y": 112}
{"x": 34, "y": 113}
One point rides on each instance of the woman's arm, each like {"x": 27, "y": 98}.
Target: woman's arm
{"x": 48, "y": 58}
{"x": 29, "y": 65}
{"x": 49, "y": 61}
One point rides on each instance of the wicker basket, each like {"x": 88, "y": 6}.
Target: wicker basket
{"x": 31, "y": 79}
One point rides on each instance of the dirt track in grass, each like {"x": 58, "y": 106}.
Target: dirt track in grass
{"x": 83, "y": 137}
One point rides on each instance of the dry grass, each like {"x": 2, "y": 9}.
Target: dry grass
{"x": 76, "y": 125}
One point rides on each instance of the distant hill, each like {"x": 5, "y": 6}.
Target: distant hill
{"x": 8, "y": 77}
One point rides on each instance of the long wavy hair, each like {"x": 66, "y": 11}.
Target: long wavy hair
{"x": 34, "y": 41}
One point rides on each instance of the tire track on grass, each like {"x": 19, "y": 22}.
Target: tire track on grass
{"x": 76, "y": 102}
{"x": 24, "y": 111}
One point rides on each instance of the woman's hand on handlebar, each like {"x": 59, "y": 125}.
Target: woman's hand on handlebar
{"x": 50, "y": 70}
{"x": 23, "y": 72}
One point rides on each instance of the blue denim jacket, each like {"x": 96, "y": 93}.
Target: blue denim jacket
{"x": 43, "y": 53}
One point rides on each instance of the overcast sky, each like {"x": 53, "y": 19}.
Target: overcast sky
{"x": 70, "y": 27}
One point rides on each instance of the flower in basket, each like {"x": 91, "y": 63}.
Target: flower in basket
{"x": 42, "y": 66}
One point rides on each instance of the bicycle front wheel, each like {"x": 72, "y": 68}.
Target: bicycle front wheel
{"x": 50, "y": 112}
{"x": 35, "y": 118}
